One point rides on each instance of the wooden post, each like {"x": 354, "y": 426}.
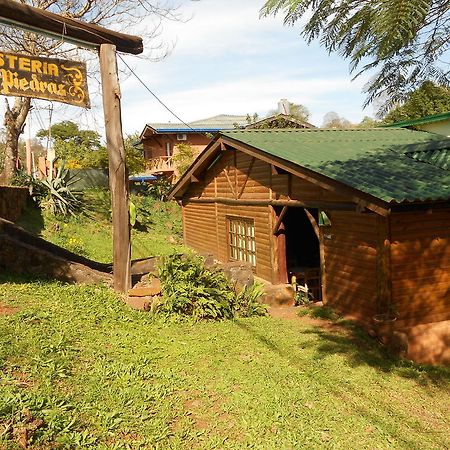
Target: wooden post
{"x": 118, "y": 174}
{"x": 280, "y": 234}
{"x": 28, "y": 157}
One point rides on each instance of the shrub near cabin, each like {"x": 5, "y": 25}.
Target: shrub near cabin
{"x": 38, "y": 77}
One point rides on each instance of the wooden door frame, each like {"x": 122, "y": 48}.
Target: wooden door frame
{"x": 281, "y": 256}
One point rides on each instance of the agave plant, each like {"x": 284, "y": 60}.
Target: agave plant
{"x": 59, "y": 197}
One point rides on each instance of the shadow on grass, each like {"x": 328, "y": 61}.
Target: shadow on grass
{"x": 353, "y": 342}
{"x": 9, "y": 277}
{"x": 32, "y": 219}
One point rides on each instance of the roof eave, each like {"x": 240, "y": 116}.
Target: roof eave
{"x": 419, "y": 121}
{"x": 361, "y": 198}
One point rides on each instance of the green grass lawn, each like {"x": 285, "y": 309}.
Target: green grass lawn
{"x": 90, "y": 234}
{"x": 103, "y": 376}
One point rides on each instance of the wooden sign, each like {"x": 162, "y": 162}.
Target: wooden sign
{"x": 47, "y": 78}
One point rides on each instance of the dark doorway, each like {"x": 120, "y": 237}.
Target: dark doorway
{"x": 302, "y": 249}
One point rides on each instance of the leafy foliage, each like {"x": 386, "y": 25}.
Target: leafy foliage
{"x": 183, "y": 157}
{"x": 247, "y": 302}
{"x": 159, "y": 189}
{"x": 77, "y": 147}
{"x": 404, "y": 40}
{"x": 57, "y": 195}
{"x": 296, "y": 110}
{"x": 82, "y": 148}
{"x": 427, "y": 100}
{"x": 151, "y": 213}
{"x": 134, "y": 154}
{"x": 191, "y": 289}
{"x": 36, "y": 188}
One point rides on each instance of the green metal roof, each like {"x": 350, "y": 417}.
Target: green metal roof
{"x": 381, "y": 162}
{"x": 420, "y": 121}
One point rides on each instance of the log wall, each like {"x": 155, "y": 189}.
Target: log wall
{"x": 420, "y": 261}
{"x": 350, "y": 247}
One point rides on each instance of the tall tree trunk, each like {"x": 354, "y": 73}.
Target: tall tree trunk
{"x": 14, "y": 123}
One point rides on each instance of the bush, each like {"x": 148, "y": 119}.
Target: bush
{"x": 58, "y": 196}
{"x": 35, "y": 187}
{"x": 190, "y": 289}
{"x": 247, "y": 302}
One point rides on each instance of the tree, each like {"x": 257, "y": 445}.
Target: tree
{"x": 403, "y": 39}
{"x": 82, "y": 149}
{"x": 129, "y": 14}
{"x": 73, "y": 145}
{"x": 427, "y": 100}
{"x": 183, "y": 158}
{"x": 134, "y": 154}
{"x": 368, "y": 122}
{"x": 334, "y": 120}
{"x": 296, "y": 111}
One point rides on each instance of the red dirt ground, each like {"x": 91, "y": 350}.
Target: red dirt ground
{"x": 291, "y": 313}
{"x": 5, "y": 310}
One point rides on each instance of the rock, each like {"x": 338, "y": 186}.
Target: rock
{"x": 278, "y": 295}
{"x": 144, "y": 266}
{"x": 208, "y": 259}
{"x": 240, "y": 274}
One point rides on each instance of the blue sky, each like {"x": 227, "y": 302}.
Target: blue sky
{"x": 226, "y": 60}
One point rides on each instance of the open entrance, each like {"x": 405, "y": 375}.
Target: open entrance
{"x": 302, "y": 249}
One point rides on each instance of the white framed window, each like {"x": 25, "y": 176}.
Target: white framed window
{"x": 241, "y": 240}
{"x": 181, "y": 137}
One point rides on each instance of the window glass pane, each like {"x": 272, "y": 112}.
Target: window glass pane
{"x": 242, "y": 240}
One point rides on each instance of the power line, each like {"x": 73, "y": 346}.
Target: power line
{"x": 155, "y": 96}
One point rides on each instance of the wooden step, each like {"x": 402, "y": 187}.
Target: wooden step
{"x": 144, "y": 291}
{"x": 139, "y": 303}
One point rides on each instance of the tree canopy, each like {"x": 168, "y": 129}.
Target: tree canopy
{"x": 333, "y": 120}
{"x": 427, "y": 100}
{"x": 82, "y": 149}
{"x": 406, "y": 41}
{"x": 296, "y": 110}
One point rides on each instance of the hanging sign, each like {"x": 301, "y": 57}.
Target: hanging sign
{"x": 47, "y": 78}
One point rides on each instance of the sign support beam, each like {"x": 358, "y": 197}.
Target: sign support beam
{"x": 80, "y": 33}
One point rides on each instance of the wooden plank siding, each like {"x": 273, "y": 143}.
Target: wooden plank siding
{"x": 350, "y": 253}
{"x": 420, "y": 258}
{"x": 370, "y": 261}
{"x": 199, "y": 227}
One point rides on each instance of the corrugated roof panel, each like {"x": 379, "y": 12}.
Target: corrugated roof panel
{"x": 373, "y": 161}
{"x": 439, "y": 158}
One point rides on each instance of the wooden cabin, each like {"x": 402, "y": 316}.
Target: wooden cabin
{"x": 367, "y": 211}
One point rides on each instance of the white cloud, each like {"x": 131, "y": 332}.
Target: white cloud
{"x": 244, "y": 96}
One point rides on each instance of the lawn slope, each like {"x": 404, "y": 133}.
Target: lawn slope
{"x": 87, "y": 372}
